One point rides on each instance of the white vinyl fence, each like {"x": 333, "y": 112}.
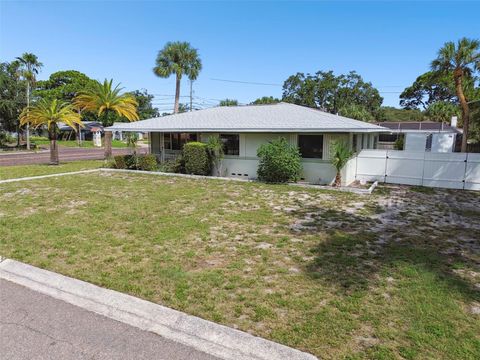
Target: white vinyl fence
{"x": 447, "y": 170}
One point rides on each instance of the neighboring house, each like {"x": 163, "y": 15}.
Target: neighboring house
{"x": 91, "y": 129}
{"x": 242, "y": 129}
{"x": 419, "y": 136}
{"x": 119, "y": 135}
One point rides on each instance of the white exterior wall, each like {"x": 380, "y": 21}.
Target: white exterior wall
{"x": 316, "y": 171}
{"x": 415, "y": 141}
{"x": 441, "y": 142}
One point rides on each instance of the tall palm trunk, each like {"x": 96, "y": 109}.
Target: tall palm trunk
{"x": 177, "y": 95}
{"x": 458, "y": 75}
{"x": 53, "y": 147}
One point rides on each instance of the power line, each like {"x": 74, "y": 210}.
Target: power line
{"x": 245, "y": 82}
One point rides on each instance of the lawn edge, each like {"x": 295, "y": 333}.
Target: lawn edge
{"x": 197, "y": 177}
{"x": 203, "y": 335}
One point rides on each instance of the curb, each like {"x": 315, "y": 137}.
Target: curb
{"x": 49, "y": 176}
{"x": 203, "y": 335}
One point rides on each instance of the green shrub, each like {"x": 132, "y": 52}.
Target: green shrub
{"x": 399, "y": 143}
{"x": 168, "y": 166}
{"x": 279, "y": 162}
{"x": 197, "y": 160}
{"x": 147, "y": 162}
{"x": 119, "y": 162}
{"x": 131, "y": 162}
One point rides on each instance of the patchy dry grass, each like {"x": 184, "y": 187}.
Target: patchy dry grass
{"x": 387, "y": 276}
{"x": 17, "y": 171}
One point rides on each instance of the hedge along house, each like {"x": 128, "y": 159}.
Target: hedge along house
{"x": 242, "y": 129}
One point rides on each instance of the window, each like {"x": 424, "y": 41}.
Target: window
{"x": 428, "y": 145}
{"x": 354, "y": 142}
{"x": 175, "y": 141}
{"x": 388, "y": 138}
{"x": 231, "y": 144}
{"x": 167, "y": 141}
{"x": 311, "y": 146}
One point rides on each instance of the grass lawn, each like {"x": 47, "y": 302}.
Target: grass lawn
{"x": 12, "y": 172}
{"x": 394, "y": 275}
{"x": 73, "y": 143}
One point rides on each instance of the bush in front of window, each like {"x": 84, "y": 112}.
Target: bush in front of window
{"x": 135, "y": 162}
{"x": 280, "y": 162}
{"x": 119, "y": 162}
{"x": 147, "y": 162}
{"x": 196, "y": 158}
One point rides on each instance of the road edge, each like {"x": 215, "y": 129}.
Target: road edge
{"x": 203, "y": 335}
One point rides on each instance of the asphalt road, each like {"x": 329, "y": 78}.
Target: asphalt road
{"x": 65, "y": 154}
{"x": 36, "y": 326}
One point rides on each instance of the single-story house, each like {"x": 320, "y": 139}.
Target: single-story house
{"x": 90, "y": 129}
{"x": 242, "y": 129}
{"x": 419, "y": 136}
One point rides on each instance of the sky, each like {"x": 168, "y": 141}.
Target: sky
{"x": 389, "y": 43}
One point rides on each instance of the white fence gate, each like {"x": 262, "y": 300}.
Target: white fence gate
{"x": 447, "y": 170}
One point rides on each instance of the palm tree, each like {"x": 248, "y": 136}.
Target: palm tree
{"x": 461, "y": 59}
{"x": 30, "y": 67}
{"x": 49, "y": 113}
{"x": 104, "y": 99}
{"x": 340, "y": 154}
{"x": 178, "y": 58}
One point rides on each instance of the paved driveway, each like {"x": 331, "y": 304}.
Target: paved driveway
{"x": 65, "y": 154}
{"x": 36, "y": 326}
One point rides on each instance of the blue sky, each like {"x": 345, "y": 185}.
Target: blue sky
{"x": 388, "y": 43}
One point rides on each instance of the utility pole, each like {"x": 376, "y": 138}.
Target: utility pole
{"x": 191, "y": 95}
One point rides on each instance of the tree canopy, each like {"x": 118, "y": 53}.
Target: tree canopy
{"x": 228, "y": 102}
{"x": 178, "y": 58}
{"x": 265, "y": 100}
{"x": 63, "y": 85}
{"x": 105, "y": 99}
{"x": 12, "y": 95}
{"x": 334, "y": 94}
{"x": 145, "y": 108}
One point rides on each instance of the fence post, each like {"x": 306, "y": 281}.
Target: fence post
{"x": 465, "y": 171}
{"x": 386, "y": 166}
{"x": 423, "y": 166}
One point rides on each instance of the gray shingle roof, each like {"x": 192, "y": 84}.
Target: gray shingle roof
{"x": 281, "y": 117}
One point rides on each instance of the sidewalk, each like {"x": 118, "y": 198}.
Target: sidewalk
{"x": 37, "y": 326}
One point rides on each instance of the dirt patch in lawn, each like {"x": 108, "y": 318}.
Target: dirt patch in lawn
{"x": 390, "y": 275}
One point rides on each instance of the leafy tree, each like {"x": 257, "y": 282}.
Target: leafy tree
{"x": 357, "y": 112}
{"x": 145, "y": 108}
{"x": 279, "y": 162}
{"x": 389, "y": 113}
{"x": 428, "y": 88}
{"x": 266, "y": 100}
{"x": 331, "y": 93}
{"x": 48, "y": 113}
{"x": 63, "y": 85}
{"x": 12, "y": 96}
{"x": 228, "y": 102}
{"x": 106, "y": 101}
{"x": 29, "y": 69}
{"x": 461, "y": 60}
{"x": 441, "y": 111}
{"x": 341, "y": 153}
{"x": 178, "y": 58}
